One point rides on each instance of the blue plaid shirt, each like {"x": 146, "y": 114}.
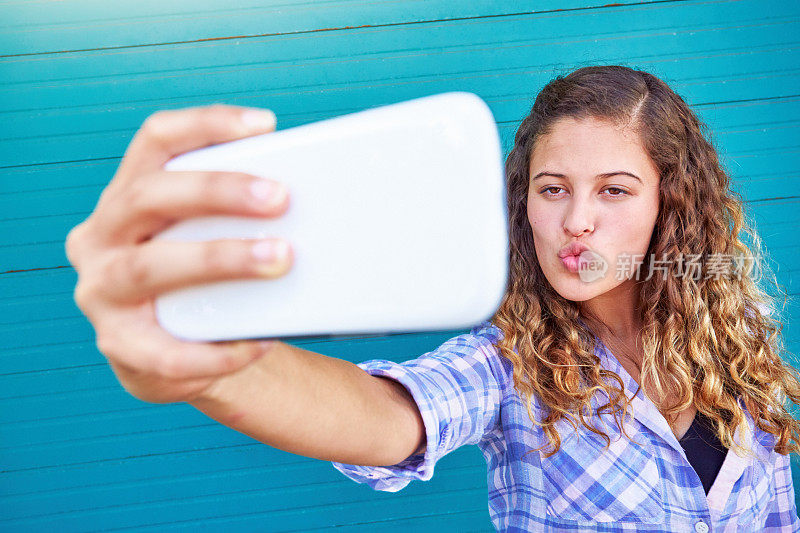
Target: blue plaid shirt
{"x": 466, "y": 395}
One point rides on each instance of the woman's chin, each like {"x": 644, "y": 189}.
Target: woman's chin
{"x": 572, "y": 288}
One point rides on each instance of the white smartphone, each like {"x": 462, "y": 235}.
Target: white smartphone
{"x": 397, "y": 219}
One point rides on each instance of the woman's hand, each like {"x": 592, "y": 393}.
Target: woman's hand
{"x": 121, "y": 270}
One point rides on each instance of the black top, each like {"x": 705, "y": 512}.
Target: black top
{"x": 703, "y": 450}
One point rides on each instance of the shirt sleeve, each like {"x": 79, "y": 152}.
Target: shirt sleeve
{"x": 458, "y": 389}
{"x": 782, "y": 515}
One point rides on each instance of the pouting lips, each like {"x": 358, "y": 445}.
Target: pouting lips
{"x": 573, "y": 248}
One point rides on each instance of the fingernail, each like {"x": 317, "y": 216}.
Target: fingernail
{"x": 258, "y": 119}
{"x": 267, "y": 193}
{"x": 272, "y": 255}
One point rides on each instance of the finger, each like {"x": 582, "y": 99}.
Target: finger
{"x": 136, "y": 273}
{"x": 155, "y": 352}
{"x": 74, "y": 244}
{"x": 159, "y": 390}
{"x": 153, "y": 202}
{"x": 165, "y": 134}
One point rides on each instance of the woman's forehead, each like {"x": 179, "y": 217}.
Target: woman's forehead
{"x": 589, "y": 146}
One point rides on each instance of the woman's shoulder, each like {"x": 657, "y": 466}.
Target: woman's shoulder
{"x": 473, "y": 352}
{"x": 485, "y": 336}
{"x": 486, "y": 331}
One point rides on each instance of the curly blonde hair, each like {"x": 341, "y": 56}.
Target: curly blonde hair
{"x": 715, "y": 342}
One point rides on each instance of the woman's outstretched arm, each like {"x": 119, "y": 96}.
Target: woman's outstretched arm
{"x": 309, "y": 404}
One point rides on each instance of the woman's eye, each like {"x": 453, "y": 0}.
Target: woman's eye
{"x": 620, "y": 192}
{"x": 547, "y": 189}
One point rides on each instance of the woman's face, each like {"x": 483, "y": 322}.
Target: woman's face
{"x": 591, "y": 182}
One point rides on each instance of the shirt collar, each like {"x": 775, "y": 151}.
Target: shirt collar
{"x": 646, "y": 412}
{"x": 641, "y": 408}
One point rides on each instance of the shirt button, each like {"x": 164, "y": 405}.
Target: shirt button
{"x": 701, "y": 527}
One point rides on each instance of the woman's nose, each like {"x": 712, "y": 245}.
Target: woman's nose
{"x": 579, "y": 219}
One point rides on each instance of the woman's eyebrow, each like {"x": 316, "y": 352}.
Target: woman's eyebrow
{"x": 598, "y": 177}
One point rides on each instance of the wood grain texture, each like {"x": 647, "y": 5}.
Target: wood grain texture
{"x": 77, "y": 78}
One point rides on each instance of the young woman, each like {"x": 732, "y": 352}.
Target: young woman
{"x": 630, "y": 381}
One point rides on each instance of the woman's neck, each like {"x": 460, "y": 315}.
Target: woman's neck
{"x": 615, "y": 313}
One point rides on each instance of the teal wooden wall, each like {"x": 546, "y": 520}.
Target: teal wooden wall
{"x": 78, "y": 77}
